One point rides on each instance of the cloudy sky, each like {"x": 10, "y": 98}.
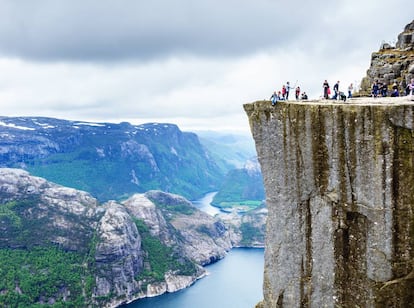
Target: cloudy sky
{"x": 189, "y": 62}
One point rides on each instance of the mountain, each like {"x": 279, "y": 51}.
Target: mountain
{"x": 61, "y": 246}
{"x": 392, "y": 64}
{"x": 111, "y": 161}
{"x": 242, "y": 189}
{"x": 242, "y": 186}
{"x": 339, "y": 193}
{"x": 233, "y": 149}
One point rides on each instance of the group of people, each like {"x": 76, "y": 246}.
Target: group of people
{"x": 337, "y": 94}
{"x": 378, "y": 89}
{"x": 381, "y": 89}
{"x": 283, "y": 95}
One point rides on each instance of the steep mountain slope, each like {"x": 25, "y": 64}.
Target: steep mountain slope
{"x": 60, "y": 245}
{"x": 233, "y": 149}
{"x": 242, "y": 188}
{"x": 243, "y": 182}
{"x": 111, "y": 161}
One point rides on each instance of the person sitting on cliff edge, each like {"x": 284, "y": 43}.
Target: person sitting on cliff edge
{"x": 304, "y": 96}
{"x": 274, "y": 98}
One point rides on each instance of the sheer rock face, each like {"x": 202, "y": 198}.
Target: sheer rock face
{"x": 339, "y": 181}
{"x": 118, "y": 257}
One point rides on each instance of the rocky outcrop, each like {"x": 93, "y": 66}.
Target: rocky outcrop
{"x": 392, "y": 64}
{"x": 406, "y": 38}
{"x": 37, "y": 213}
{"x": 248, "y": 229}
{"x": 118, "y": 254}
{"x": 199, "y": 236}
{"x": 64, "y": 216}
{"x": 339, "y": 192}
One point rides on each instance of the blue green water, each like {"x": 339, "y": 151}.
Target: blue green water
{"x": 233, "y": 282}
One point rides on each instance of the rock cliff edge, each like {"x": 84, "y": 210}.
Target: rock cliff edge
{"x": 340, "y": 195}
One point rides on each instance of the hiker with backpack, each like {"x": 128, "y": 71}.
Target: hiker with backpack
{"x": 336, "y": 90}
{"x": 326, "y": 90}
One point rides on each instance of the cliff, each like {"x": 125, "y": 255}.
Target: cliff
{"x": 61, "y": 246}
{"x": 392, "y": 63}
{"x": 339, "y": 190}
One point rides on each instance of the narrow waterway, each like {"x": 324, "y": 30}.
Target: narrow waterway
{"x": 204, "y": 204}
{"x": 233, "y": 282}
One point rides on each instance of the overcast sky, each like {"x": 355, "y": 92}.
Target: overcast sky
{"x": 193, "y": 63}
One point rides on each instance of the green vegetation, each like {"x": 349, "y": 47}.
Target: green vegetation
{"x": 160, "y": 258}
{"x": 250, "y": 234}
{"x": 41, "y": 276}
{"x": 241, "y": 191}
{"x": 112, "y": 163}
{"x": 27, "y": 225}
{"x": 7, "y": 213}
{"x": 181, "y": 208}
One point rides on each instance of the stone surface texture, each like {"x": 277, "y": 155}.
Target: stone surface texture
{"x": 392, "y": 64}
{"x": 339, "y": 181}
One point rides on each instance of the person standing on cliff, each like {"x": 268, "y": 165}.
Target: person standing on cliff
{"x": 336, "y": 90}
{"x": 326, "y": 89}
{"x": 287, "y": 90}
{"x": 284, "y": 92}
{"x": 375, "y": 89}
{"x": 297, "y": 92}
{"x": 350, "y": 90}
{"x": 412, "y": 89}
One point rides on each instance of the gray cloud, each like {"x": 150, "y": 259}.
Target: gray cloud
{"x": 129, "y": 29}
{"x": 192, "y": 63}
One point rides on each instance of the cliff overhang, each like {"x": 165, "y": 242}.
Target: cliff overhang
{"x": 340, "y": 195}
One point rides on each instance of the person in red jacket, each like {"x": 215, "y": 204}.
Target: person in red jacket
{"x": 297, "y": 92}
{"x": 284, "y": 92}
{"x": 326, "y": 89}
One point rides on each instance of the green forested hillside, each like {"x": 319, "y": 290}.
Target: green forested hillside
{"x": 45, "y": 275}
{"x": 111, "y": 161}
{"x": 241, "y": 188}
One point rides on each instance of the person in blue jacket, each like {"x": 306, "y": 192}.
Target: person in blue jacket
{"x": 375, "y": 89}
{"x": 274, "y": 98}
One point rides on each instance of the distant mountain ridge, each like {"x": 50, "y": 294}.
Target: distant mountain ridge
{"x": 234, "y": 149}
{"x": 111, "y": 161}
